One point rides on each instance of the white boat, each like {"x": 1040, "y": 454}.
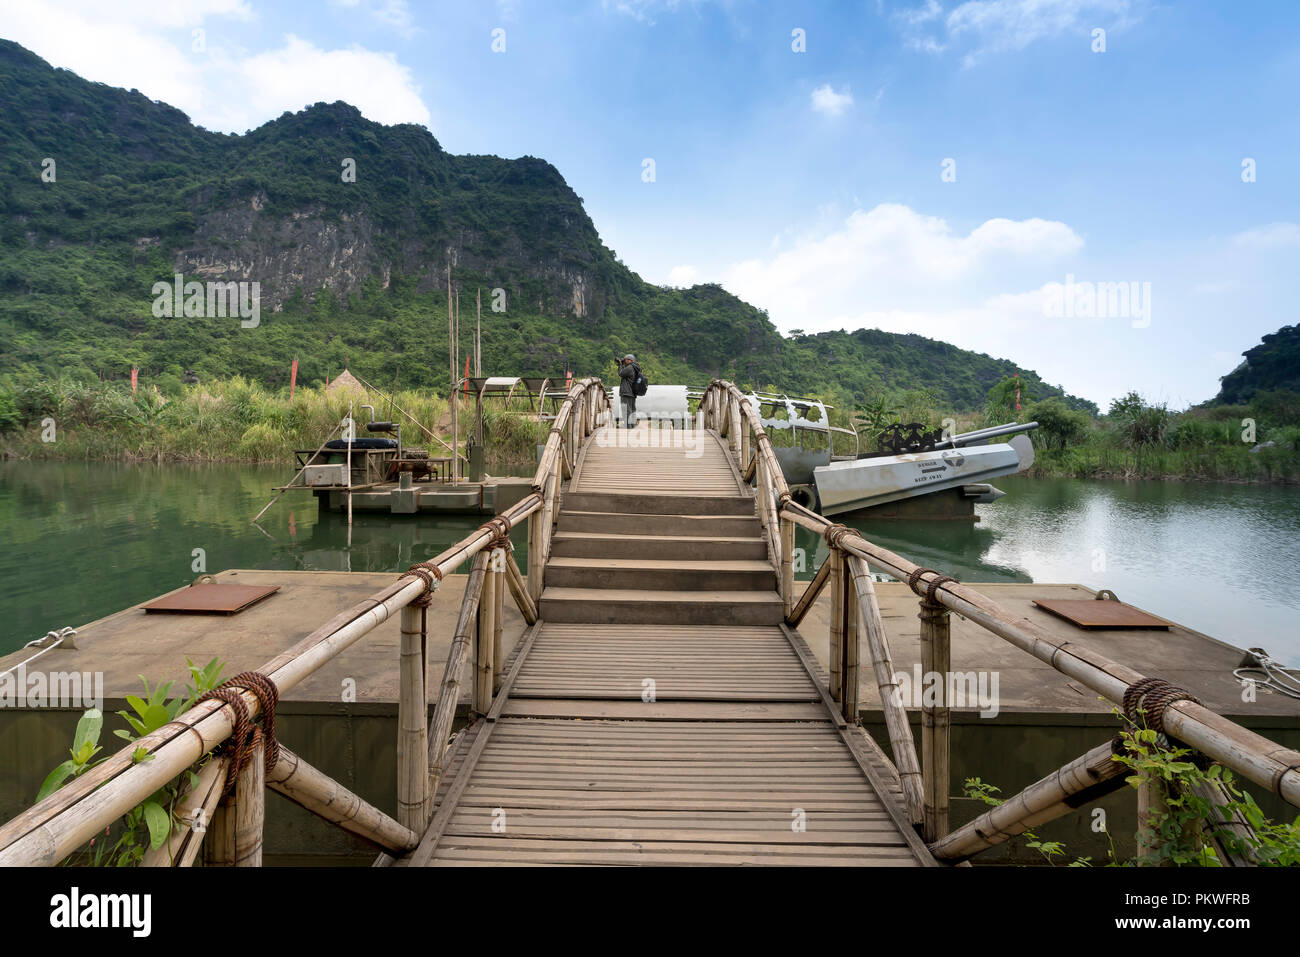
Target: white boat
{"x": 863, "y": 483}
{"x": 835, "y": 484}
{"x": 852, "y": 480}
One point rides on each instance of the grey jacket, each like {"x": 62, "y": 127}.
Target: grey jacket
{"x": 628, "y": 375}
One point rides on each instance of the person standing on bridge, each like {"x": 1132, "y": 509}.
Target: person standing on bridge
{"x": 628, "y": 373}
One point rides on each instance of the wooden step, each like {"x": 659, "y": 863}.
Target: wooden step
{"x": 661, "y": 574}
{"x": 565, "y": 544}
{"x": 686, "y": 503}
{"x": 642, "y": 606}
{"x": 677, "y": 526}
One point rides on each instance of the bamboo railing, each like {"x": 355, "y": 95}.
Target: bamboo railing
{"x": 1254, "y": 757}
{"x": 231, "y": 830}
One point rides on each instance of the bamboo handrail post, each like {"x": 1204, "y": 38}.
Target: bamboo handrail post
{"x": 734, "y": 433}
{"x": 936, "y": 720}
{"x": 535, "y": 558}
{"x": 787, "y": 566}
{"x": 850, "y": 681}
{"x": 194, "y": 811}
{"x": 250, "y": 808}
{"x": 412, "y": 721}
{"x": 498, "y": 561}
{"x": 1151, "y": 800}
{"x": 219, "y": 842}
{"x": 836, "y": 654}
{"x": 481, "y": 702}
{"x": 896, "y": 721}
{"x": 444, "y": 711}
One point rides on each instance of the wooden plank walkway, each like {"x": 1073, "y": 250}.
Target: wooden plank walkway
{"x": 658, "y": 713}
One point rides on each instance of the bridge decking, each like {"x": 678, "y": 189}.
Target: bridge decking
{"x": 661, "y": 712}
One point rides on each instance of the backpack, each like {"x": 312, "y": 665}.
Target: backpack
{"x": 640, "y": 385}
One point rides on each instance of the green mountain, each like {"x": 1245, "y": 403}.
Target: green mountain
{"x": 105, "y": 193}
{"x": 1273, "y": 364}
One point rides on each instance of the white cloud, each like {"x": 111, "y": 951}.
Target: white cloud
{"x": 827, "y": 101}
{"x": 299, "y": 74}
{"x": 1266, "y": 237}
{"x": 902, "y": 262}
{"x": 993, "y": 26}
{"x": 147, "y": 45}
{"x": 682, "y": 276}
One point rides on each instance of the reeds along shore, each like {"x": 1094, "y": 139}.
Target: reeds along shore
{"x": 229, "y": 420}
{"x": 234, "y": 420}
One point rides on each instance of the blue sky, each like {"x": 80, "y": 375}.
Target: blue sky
{"x": 811, "y": 183}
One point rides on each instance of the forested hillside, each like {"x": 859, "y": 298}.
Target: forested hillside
{"x": 104, "y": 193}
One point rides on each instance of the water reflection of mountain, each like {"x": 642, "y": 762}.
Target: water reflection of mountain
{"x": 954, "y": 548}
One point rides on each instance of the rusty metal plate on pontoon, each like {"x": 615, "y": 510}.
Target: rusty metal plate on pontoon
{"x": 210, "y": 599}
{"x": 1091, "y": 613}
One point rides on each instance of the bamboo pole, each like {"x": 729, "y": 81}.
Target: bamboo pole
{"x": 1230, "y": 824}
{"x": 501, "y": 558}
{"x": 850, "y": 680}
{"x": 444, "y": 711}
{"x": 809, "y": 596}
{"x": 352, "y": 438}
{"x": 836, "y": 656}
{"x": 548, "y": 511}
{"x": 219, "y": 847}
{"x": 484, "y": 666}
{"x": 250, "y": 808}
{"x": 734, "y": 433}
{"x": 1268, "y": 764}
{"x": 900, "y": 729}
{"x": 194, "y": 811}
{"x": 317, "y": 792}
{"x": 535, "y": 559}
{"x": 1151, "y": 798}
{"x": 520, "y": 592}
{"x": 412, "y": 722}
{"x": 787, "y": 566}
{"x": 936, "y": 720}
{"x": 1084, "y": 779}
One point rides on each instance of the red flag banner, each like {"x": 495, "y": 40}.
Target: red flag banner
{"x": 135, "y": 378}
{"x": 293, "y": 378}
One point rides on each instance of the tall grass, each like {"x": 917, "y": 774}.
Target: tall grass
{"x": 230, "y": 420}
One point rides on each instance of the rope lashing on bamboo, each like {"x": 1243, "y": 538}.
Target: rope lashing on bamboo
{"x": 834, "y": 534}
{"x": 430, "y": 574}
{"x": 246, "y": 735}
{"x": 931, "y": 586}
{"x": 1152, "y": 696}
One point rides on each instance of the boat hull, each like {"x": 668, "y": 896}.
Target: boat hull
{"x": 863, "y": 483}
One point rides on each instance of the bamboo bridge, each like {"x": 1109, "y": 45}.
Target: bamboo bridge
{"x": 661, "y": 706}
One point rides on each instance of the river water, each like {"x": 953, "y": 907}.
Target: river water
{"x": 82, "y": 540}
